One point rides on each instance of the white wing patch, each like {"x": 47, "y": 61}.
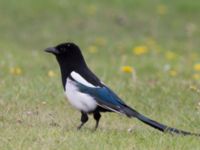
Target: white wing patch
{"x": 79, "y": 100}
{"x": 81, "y": 80}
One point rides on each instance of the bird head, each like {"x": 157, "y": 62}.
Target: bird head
{"x": 67, "y": 53}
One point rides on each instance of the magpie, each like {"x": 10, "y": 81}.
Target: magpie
{"x": 87, "y": 93}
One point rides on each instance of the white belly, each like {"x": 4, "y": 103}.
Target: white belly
{"x": 79, "y": 100}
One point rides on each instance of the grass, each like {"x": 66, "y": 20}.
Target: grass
{"x": 33, "y": 111}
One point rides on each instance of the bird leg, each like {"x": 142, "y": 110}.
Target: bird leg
{"x": 97, "y": 117}
{"x": 84, "y": 119}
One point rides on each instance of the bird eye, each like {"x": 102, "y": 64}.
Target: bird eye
{"x": 61, "y": 49}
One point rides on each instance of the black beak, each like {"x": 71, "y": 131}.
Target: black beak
{"x": 51, "y": 50}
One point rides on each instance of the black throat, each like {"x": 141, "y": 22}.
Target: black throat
{"x": 67, "y": 66}
{"x": 65, "y": 72}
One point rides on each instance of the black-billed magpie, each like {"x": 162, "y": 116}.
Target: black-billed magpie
{"x": 90, "y": 95}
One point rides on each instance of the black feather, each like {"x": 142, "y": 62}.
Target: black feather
{"x": 161, "y": 127}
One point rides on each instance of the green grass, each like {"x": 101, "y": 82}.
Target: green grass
{"x": 33, "y": 111}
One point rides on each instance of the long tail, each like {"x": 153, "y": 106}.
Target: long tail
{"x": 161, "y": 127}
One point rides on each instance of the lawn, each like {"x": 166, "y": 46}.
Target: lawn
{"x": 157, "y": 40}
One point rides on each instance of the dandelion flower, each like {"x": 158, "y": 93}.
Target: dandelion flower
{"x": 170, "y": 55}
{"x": 51, "y": 73}
{"x": 92, "y": 49}
{"x": 173, "y": 73}
{"x": 196, "y": 76}
{"x": 127, "y": 69}
{"x": 197, "y": 67}
{"x": 140, "y": 50}
{"x": 16, "y": 71}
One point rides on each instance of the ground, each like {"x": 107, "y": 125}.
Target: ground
{"x": 146, "y": 51}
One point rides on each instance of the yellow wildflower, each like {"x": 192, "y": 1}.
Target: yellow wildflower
{"x": 127, "y": 69}
{"x": 16, "y": 71}
{"x": 51, "y": 73}
{"x": 197, "y": 67}
{"x": 173, "y": 73}
{"x": 140, "y": 50}
{"x": 162, "y": 9}
{"x": 196, "y": 76}
{"x": 170, "y": 55}
{"x": 92, "y": 49}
